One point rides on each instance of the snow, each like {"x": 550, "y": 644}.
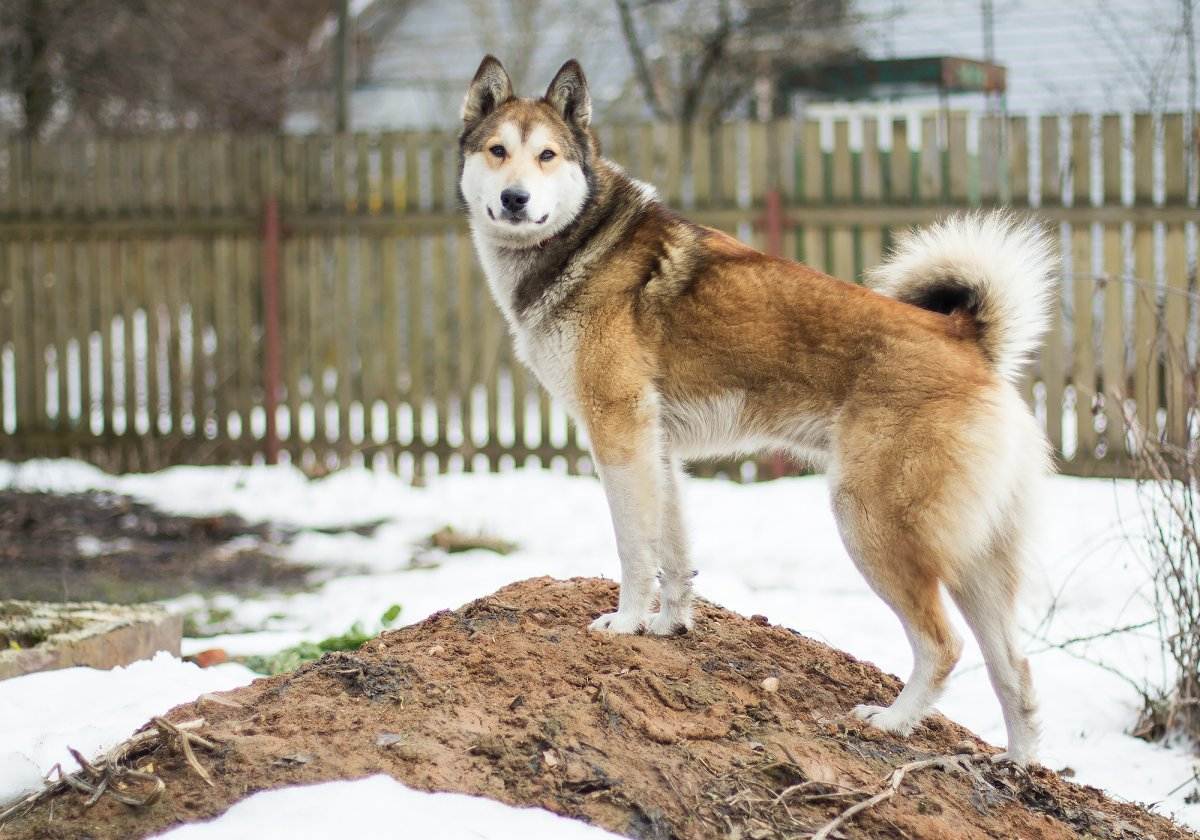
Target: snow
{"x": 92, "y": 711}
{"x": 380, "y": 806}
{"x": 769, "y": 548}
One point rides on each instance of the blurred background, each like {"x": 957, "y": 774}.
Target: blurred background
{"x": 230, "y": 231}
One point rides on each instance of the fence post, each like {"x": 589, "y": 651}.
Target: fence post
{"x": 773, "y": 221}
{"x": 270, "y": 301}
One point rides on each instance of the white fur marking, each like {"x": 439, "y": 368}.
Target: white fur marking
{"x": 1010, "y": 265}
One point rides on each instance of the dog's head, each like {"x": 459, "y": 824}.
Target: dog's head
{"x": 525, "y": 163}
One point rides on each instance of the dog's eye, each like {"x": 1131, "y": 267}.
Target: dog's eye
{"x": 497, "y": 151}
{"x": 546, "y": 155}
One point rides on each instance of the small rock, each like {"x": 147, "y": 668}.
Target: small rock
{"x": 219, "y": 700}
{"x": 293, "y": 760}
{"x": 388, "y": 739}
{"x": 770, "y": 685}
{"x": 408, "y": 752}
{"x": 436, "y": 650}
{"x": 550, "y": 758}
{"x": 210, "y": 657}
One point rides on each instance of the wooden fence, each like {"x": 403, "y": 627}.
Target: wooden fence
{"x": 142, "y": 321}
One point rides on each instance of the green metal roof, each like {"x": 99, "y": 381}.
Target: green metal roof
{"x": 949, "y": 74}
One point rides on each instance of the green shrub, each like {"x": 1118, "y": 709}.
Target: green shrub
{"x": 289, "y": 659}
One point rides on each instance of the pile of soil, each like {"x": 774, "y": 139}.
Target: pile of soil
{"x": 101, "y": 546}
{"x": 511, "y": 698}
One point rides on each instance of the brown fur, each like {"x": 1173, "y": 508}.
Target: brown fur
{"x": 796, "y": 340}
{"x": 669, "y": 318}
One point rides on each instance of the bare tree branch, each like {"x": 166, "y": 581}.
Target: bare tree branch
{"x": 641, "y": 67}
{"x": 710, "y": 57}
{"x": 712, "y": 51}
{"x": 120, "y": 65}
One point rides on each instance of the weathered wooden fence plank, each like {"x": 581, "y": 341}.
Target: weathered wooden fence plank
{"x": 1145, "y": 329}
{"x": 1177, "y": 365}
{"x": 1083, "y": 375}
{"x": 1018, "y": 162}
{"x": 1114, "y": 383}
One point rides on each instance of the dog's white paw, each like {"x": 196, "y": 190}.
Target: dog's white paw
{"x": 620, "y": 622}
{"x": 1020, "y": 758}
{"x": 886, "y": 718}
{"x": 669, "y": 624}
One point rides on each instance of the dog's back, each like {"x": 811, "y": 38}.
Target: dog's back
{"x": 667, "y": 340}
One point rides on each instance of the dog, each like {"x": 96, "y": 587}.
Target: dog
{"x": 669, "y": 341}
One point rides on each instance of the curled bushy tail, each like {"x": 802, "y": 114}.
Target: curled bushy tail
{"x": 995, "y": 266}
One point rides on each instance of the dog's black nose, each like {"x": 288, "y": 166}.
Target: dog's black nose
{"x": 514, "y": 199}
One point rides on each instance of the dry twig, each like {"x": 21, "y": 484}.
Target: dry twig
{"x": 111, "y": 775}
{"x": 186, "y": 739}
{"x": 950, "y": 763}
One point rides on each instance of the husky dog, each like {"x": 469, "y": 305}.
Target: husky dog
{"x": 668, "y": 341}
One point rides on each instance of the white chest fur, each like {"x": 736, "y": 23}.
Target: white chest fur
{"x": 549, "y": 352}
{"x": 545, "y": 344}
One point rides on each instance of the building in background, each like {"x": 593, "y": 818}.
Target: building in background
{"x": 413, "y": 57}
{"x": 115, "y": 66}
{"x": 1088, "y": 55}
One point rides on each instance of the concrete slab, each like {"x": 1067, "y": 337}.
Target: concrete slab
{"x": 37, "y": 636}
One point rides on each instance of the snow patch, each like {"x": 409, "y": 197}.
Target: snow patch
{"x": 91, "y": 710}
{"x": 380, "y": 806}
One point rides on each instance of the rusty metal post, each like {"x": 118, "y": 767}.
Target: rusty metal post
{"x": 772, "y": 225}
{"x": 270, "y": 304}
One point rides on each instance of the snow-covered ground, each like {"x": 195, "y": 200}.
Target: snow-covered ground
{"x": 90, "y": 710}
{"x": 380, "y": 806}
{"x": 767, "y": 548}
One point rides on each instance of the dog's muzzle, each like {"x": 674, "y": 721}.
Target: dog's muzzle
{"x": 517, "y": 217}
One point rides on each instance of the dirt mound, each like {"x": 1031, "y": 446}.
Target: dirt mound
{"x": 510, "y": 697}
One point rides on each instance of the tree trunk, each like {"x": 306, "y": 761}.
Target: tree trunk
{"x": 33, "y": 71}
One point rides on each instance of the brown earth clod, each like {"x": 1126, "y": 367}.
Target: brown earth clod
{"x": 510, "y": 697}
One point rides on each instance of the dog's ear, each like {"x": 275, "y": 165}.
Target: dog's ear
{"x": 568, "y": 94}
{"x": 490, "y": 89}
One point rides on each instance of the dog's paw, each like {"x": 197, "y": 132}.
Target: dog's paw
{"x": 669, "y": 624}
{"x": 619, "y": 622}
{"x": 885, "y": 718}
{"x": 1017, "y": 758}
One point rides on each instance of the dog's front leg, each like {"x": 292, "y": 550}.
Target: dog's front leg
{"x": 627, "y": 445}
{"x": 634, "y": 491}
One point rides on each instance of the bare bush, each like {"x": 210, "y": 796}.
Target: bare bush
{"x": 1169, "y": 479}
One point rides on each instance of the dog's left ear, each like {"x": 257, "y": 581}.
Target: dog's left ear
{"x": 490, "y": 89}
{"x": 568, "y": 94}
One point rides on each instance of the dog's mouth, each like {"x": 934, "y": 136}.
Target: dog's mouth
{"x": 516, "y": 218}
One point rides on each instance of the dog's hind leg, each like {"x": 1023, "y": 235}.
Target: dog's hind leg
{"x": 675, "y": 593}
{"x": 892, "y": 563}
{"x": 987, "y": 599}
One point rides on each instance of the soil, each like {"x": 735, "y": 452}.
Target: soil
{"x": 511, "y": 698}
{"x": 107, "y": 547}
